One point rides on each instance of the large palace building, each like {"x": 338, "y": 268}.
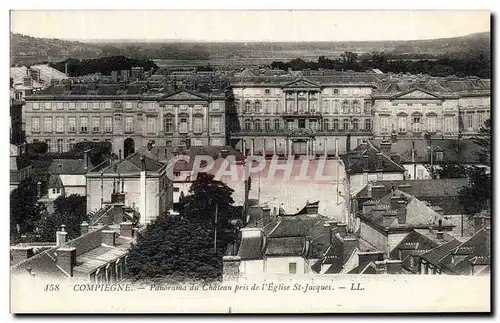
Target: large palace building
{"x": 127, "y": 120}
{"x": 314, "y": 113}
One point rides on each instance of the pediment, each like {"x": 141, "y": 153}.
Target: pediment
{"x": 417, "y": 94}
{"x": 184, "y": 96}
{"x": 301, "y": 83}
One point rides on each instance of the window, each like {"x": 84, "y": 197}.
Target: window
{"x": 439, "y": 156}
{"x": 480, "y": 120}
{"x": 169, "y": 125}
{"x": 71, "y": 106}
{"x": 345, "y": 107}
{"x": 168, "y": 143}
{"x": 247, "y": 106}
{"x": 47, "y": 105}
{"x": 101, "y": 105}
{"x": 129, "y": 124}
{"x": 35, "y": 124}
{"x": 267, "y": 91}
{"x": 402, "y": 124}
{"x": 183, "y": 125}
{"x": 302, "y": 123}
{"x": 384, "y": 124}
{"x": 326, "y": 124}
{"x": 448, "y": 124}
{"x": 49, "y": 145}
{"x": 60, "y": 106}
{"x": 108, "y": 124}
{"x": 53, "y": 191}
{"x": 356, "y": 107}
{"x": 267, "y": 106}
{"x": 151, "y": 121}
{"x": 368, "y": 124}
{"x": 36, "y": 106}
{"x": 355, "y": 124}
{"x": 416, "y": 124}
{"x": 60, "y": 144}
{"x": 47, "y": 124}
{"x": 289, "y": 124}
{"x": 107, "y": 105}
{"x": 267, "y": 124}
{"x": 313, "y": 124}
{"x": 335, "y": 124}
{"x": 89, "y": 105}
{"x": 248, "y": 124}
{"x": 276, "y": 124}
{"x": 335, "y": 91}
{"x": 198, "y": 125}
{"x": 470, "y": 121}
{"x": 431, "y": 124}
{"x": 292, "y": 268}
{"x": 368, "y": 107}
{"x": 257, "y": 125}
{"x": 276, "y": 106}
{"x": 420, "y": 173}
{"x": 216, "y": 125}
{"x": 84, "y": 123}
{"x": 65, "y": 106}
{"x": 96, "y": 124}
{"x": 95, "y": 105}
{"x": 128, "y": 105}
{"x": 257, "y": 107}
{"x": 336, "y": 106}
{"x": 346, "y": 124}
{"x": 59, "y": 124}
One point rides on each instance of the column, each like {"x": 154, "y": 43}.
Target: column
{"x": 274, "y": 147}
{"x": 252, "y": 146}
{"x": 244, "y": 147}
{"x": 324, "y": 147}
{"x": 176, "y": 125}
{"x": 308, "y": 147}
{"x": 296, "y": 109}
{"x": 283, "y": 100}
{"x": 320, "y": 102}
{"x": 308, "y": 109}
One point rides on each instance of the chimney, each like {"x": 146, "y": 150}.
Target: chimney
{"x": 230, "y": 268}
{"x": 108, "y": 237}
{"x": 370, "y": 256}
{"x": 348, "y": 247}
{"x": 401, "y": 213}
{"x": 380, "y": 162}
{"x": 84, "y": 228}
{"x": 394, "y": 266}
{"x": 342, "y": 229}
{"x": 21, "y": 253}
{"x": 440, "y": 235}
{"x": 86, "y": 159}
{"x": 395, "y": 202}
{"x": 266, "y": 215}
{"x": 365, "y": 162}
{"x": 380, "y": 267}
{"x": 378, "y": 191}
{"x": 312, "y": 208}
{"x": 61, "y": 236}
{"x": 327, "y": 233}
{"x": 66, "y": 259}
{"x": 119, "y": 154}
{"x": 368, "y": 206}
{"x": 369, "y": 190}
{"x": 126, "y": 229}
{"x": 385, "y": 146}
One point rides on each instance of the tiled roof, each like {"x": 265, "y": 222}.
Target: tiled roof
{"x": 285, "y": 246}
{"x": 55, "y": 181}
{"x": 435, "y": 255}
{"x": 354, "y": 160}
{"x": 295, "y": 226}
{"x": 468, "y": 152}
{"x": 250, "y": 248}
{"x": 133, "y": 164}
{"x": 69, "y": 166}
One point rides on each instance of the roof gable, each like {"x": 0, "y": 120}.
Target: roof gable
{"x": 301, "y": 83}
{"x": 417, "y": 93}
{"x": 184, "y": 96}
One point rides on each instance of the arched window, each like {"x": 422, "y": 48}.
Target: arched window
{"x": 247, "y": 106}
{"x": 326, "y": 124}
{"x": 276, "y": 124}
{"x": 356, "y": 108}
{"x": 267, "y": 124}
{"x": 368, "y": 107}
{"x": 345, "y": 107}
{"x": 257, "y": 107}
{"x": 368, "y": 124}
{"x": 257, "y": 125}
{"x": 335, "y": 124}
{"x": 355, "y": 124}
{"x": 248, "y": 124}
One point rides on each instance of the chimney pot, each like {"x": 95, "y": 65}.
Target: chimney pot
{"x": 61, "y": 237}
{"x": 126, "y": 229}
{"x": 84, "y": 228}
{"x": 108, "y": 237}
{"x": 342, "y": 229}
{"x": 66, "y": 259}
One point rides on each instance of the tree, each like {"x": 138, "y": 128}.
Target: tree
{"x": 175, "y": 249}
{"x": 25, "y": 210}
{"x": 69, "y": 211}
{"x": 483, "y": 139}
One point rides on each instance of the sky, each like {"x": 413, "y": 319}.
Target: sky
{"x": 282, "y": 25}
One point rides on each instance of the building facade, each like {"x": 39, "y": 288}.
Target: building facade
{"x": 128, "y": 122}
{"x": 304, "y": 116}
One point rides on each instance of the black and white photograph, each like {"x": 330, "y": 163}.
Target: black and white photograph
{"x": 250, "y": 161}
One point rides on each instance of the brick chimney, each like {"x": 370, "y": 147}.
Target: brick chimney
{"x": 21, "y": 253}
{"x": 66, "y": 259}
{"x": 370, "y": 256}
{"x": 401, "y": 212}
{"x": 108, "y": 237}
{"x": 380, "y": 267}
{"x": 126, "y": 229}
{"x": 348, "y": 246}
{"x": 327, "y": 233}
{"x": 84, "y": 228}
{"x": 230, "y": 268}
{"x": 394, "y": 266}
{"x": 378, "y": 191}
{"x": 385, "y": 147}
{"x": 380, "y": 162}
{"x": 61, "y": 235}
{"x": 395, "y": 202}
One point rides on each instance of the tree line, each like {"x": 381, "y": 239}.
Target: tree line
{"x": 479, "y": 65}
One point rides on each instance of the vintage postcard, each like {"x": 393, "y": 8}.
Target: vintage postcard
{"x": 250, "y": 161}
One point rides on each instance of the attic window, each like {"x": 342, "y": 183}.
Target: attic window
{"x": 439, "y": 156}
{"x": 335, "y": 91}
{"x": 267, "y": 91}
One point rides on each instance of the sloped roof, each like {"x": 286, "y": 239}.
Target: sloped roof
{"x": 435, "y": 255}
{"x": 354, "y": 160}
{"x": 250, "y": 248}
{"x": 55, "y": 181}
{"x": 70, "y": 166}
{"x": 133, "y": 164}
{"x": 285, "y": 246}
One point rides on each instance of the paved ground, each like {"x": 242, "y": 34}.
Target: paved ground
{"x": 294, "y": 192}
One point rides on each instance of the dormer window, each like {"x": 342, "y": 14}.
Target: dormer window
{"x": 439, "y": 156}
{"x": 267, "y": 91}
{"x": 335, "y": 91}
